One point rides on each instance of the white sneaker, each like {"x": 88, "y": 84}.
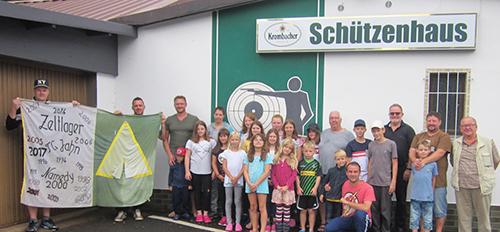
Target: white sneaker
{"x": 121, "y": 216}
{"x": 137, "y": 215}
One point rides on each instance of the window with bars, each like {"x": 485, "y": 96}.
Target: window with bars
{"x": 448, "y": 94}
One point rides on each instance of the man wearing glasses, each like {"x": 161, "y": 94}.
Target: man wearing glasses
{"x": 402, "y": 134}
{"x": 440, "y": 147}
{"x": 475, "y": 159}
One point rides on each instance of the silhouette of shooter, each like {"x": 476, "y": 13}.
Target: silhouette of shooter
{"x": 295, "y": 100}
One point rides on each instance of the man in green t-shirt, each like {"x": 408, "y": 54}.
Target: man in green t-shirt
{"x": 178, "y": 128}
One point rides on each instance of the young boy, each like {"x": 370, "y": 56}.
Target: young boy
{"x": 277, "y": 122}
{"x": 357, "y": 149}
{"x": 422, "y": 192}
{"x": 308, "y": 179}
{"x": 179, "y": 186}
{"x": 382, "y": 154}
{"x": 331, "y": 186}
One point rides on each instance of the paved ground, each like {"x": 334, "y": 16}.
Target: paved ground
{"x": 98, "y": 219}
{"x": 101, "y": 220}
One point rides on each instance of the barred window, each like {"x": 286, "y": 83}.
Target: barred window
{"x": 448, "y": 93}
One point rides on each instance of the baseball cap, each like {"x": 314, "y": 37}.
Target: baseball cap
{"x": 181, "y": 151}
{"x": 313, "y": 126}
{"x": 359, "y": 122}
{"x": 377, "y": 124}
{"x": 41, "y": 83}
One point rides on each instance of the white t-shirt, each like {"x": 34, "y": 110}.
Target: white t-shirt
{"x": 201, "y": 156}
{"x": 234, "y": 165}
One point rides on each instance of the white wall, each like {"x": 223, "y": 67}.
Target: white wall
{"x": 375, "y": 80}
{"x": 105, "y": 92}
{"x": 167, "y": 59}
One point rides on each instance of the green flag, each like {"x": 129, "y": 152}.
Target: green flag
{"x": 124, "y": 158}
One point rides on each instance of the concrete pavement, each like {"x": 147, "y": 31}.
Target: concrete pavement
{"x": 97, "y": 219}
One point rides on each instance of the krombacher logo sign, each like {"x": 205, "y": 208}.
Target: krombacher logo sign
{"x": 428, "y": 32}
{"x": 282, "y": 34}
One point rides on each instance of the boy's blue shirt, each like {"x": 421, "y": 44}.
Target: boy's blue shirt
{"x": 176, "y": 177}
{"x": 422, "y": 189}
{"x": 336, "y": 176}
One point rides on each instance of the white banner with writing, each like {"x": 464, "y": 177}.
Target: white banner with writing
{"x": 59, "y": 148}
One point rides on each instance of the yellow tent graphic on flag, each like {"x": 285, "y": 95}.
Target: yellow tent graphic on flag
{"x": 124, "y": 153}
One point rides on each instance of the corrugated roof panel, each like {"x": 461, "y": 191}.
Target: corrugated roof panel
{"x": 99, "y": 9}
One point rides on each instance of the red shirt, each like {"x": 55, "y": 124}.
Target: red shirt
{"x": 357, "y": 194}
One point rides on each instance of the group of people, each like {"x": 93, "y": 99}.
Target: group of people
{"x": 353, "y": 178}
{"x": 348, "y": 179}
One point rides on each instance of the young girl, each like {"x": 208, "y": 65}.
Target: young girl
{"x": 245, "y": 127}
{"x": 217, "y": 195}
{"x": 284, "y": 172}
{"x": 214, "y": 128}
{"x": 314, "y": 135}
{"x": 256, "y": 169}
{"x": 255, "y": 128}
{"x": 291, "y": 133}
{"x": 273, "y": 144}
{"x": 198, "y": 164}
{"x": 233, "y": 182}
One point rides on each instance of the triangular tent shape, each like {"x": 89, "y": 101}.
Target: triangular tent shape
{"x": 124, "y": 152}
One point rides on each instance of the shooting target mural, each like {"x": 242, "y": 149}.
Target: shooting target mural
{"x": 244, "y": 100}
{"x": 264, "y": 102}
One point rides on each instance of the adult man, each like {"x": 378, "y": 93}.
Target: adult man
{"x": 440, "y": 147}
{"x": 475, "y": 159}
{"x": 333, "y": 139}
{"x": 13, "y": 120}
{"x": 357, "y": 200}
{"x": 178, "y": 128}
{"x": 402, "y": 134}
{"x": 138, "y": 107}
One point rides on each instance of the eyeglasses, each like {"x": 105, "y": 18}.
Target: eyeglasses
{"x": 336, "y": 118}
{"x": 468, "y": 125}
{"x": 395, "y": 113}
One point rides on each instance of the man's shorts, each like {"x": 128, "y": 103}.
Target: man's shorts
{"x": 307, "y": 202}
{"x": 440, "y": 202}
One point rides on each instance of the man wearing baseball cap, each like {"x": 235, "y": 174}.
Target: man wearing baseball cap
{"x": 41, "y": 91}
{"x": 13, "y": 120}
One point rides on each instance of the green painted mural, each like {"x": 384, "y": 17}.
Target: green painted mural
{"x": 290, "y": 84}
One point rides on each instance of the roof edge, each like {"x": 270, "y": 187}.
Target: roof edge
{"x": 15, "y": 11}
{"x": 179, "y": 9}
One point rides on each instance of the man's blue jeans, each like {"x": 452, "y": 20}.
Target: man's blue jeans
{"x": 359, "y": 222}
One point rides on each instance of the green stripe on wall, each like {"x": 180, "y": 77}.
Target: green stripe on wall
{"x": 214, "y": 63}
